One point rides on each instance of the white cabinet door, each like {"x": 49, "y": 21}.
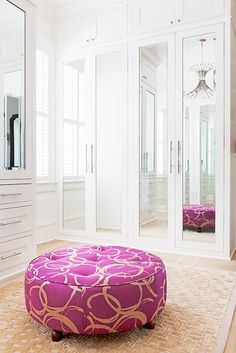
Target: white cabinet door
{"x": 87, "y": 30}
{"x": 195, "y": 10}
{"x": 76, "y": 32}
{"x": 150, "y": 15}
{"x": 111, "y": 24}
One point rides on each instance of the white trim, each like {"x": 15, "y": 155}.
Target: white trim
{"x": 46, "y": 187}
{"x": 46, "y": 223}
{"x": 112, "y": 241}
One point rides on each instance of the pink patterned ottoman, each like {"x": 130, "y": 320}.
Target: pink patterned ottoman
{"x": 199, "y": 217}
{"x": 95, "y": 290}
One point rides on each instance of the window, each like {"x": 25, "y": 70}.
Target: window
{"x": 42, "y": 124}
{"x": 74, "y": 113}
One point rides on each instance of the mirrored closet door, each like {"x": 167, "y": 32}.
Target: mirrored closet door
{"x": 93, "y": 130}
{"x": 15, "y": 80}
{"x": 153, "y": 210}
{"x": 200, "y": 138}
{"x": 75, "y": 144}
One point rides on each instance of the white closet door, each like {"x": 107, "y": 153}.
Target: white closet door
{"x": 195, "y": 10}
{"x": 151, "y": 15}
{"x": 108, "y": 148}
{"x": 152, "y": 129}
{"x": 200, "y": 139}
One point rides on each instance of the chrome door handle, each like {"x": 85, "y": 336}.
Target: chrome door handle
{"x": 92, "y": 159}
{"x": 15, "y": 194}
{"x": 10, "y": 256}
{"x": 3, "y": 224}
{"x": 171, "y": 156}
{"x": 179, "y": 149}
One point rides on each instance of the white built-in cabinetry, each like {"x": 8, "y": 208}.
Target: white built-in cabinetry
{"x": 17, "y": 199}
{"x": 119, "y": 190}
{"x": 152, "y": 15}
{"x": 94, "y": 28}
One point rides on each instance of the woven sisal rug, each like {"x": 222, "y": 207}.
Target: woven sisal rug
{"x": 196, "y": 320}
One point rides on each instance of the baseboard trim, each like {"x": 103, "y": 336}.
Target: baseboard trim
{"x": 12, "y": 277}
{"x": 93, "y": 241}
{"x": 46, "y": 241}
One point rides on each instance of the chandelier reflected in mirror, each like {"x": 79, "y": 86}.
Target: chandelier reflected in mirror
{"x": 202, "y": 89}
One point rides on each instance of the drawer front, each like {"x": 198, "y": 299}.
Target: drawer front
{"x": 15, "y": 193}
{"x": 15, "y": 220}
{"x": 15, "y": 252}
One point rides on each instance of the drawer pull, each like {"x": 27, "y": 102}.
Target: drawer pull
{"x": 3, "y": 224}
{"x": 10, "y": 256}
{"x": 8, "y": 195}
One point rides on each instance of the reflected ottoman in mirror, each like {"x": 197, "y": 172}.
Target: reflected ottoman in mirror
{"x": 199, "y": 217}
{"x": 95, "y": 290}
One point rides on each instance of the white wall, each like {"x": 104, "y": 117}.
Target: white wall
{"x": 46, "y": 201}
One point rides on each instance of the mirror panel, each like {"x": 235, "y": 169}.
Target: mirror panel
{"x": 75, "y": 120}
{"x": 12, "y": 91}
{"x": 153, "y": 179}
{"x": 199, "y": 138}
{"x": 109, "y": 134}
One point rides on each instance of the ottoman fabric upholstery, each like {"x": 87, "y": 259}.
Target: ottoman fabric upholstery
{"x": 199, "y": 216}
{"x": 95, "y": 289}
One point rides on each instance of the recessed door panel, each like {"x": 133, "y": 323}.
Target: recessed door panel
{"x": 195, "y": 10}
{"x": 150, "y": 15}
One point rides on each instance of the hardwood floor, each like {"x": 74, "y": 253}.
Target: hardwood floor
{"x": 173, "y": 259}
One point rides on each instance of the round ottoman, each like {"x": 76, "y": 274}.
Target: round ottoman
{"x": 95, "y": 290}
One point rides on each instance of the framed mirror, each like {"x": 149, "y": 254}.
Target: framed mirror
{"x": 153, "y": 141}
{"x": 75, "y": 121}
{"x": 199, "y": 138}
{"x": 12, "y": 87}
